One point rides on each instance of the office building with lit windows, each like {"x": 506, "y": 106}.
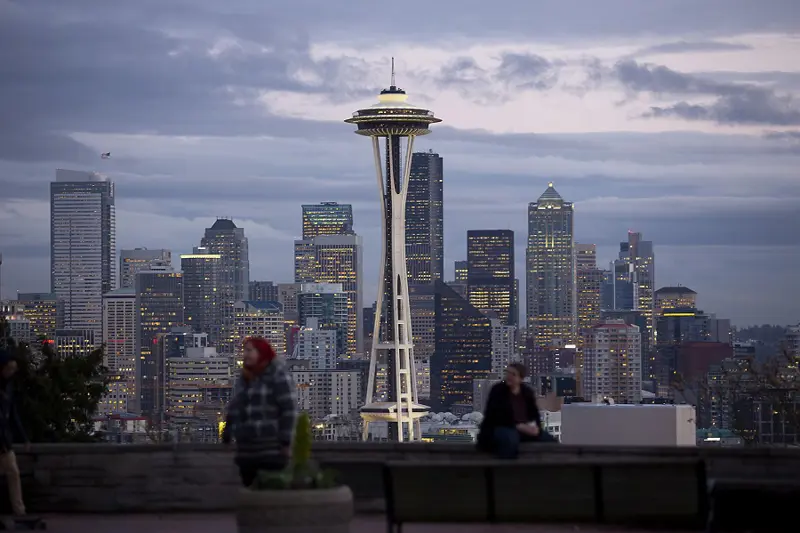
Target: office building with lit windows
{"x": 612, "y": 362}
{"x": 589, "y": 281}
{"x": 640, "y": 256}
{"x": 680, "y": 297}
{"x": 138, "y": 259}
{"x": 159, "y": 304}
{"x": 260, "y": 319}
{"x": 119, "y": 338}
{"x": 550, "y": 278}
{"x": 423, "y": 329}
{"x": 44, "y": 311}
{"x": 336, "y": 259}
{"x": 490, "y": 273}
{"x": 463, "y": 350}
{"x": 461, "y": 270}
{"x": 425, "y": 218}
{"x": 202, "y": 293}
{"x": 228, "y": 240}
{"x": 317, "y": 346}
{"x": 263, "y": 291}
{"x": 327, "y": 304}
{"x": 82, "y": 247}
{"x": 188, "y": 377}
{"x": 327, "y": 218}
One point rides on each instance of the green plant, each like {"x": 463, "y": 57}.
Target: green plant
{"x": 302, "y": 473}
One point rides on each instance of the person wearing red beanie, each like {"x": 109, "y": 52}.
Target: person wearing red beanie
{"x": 262, "y": 412}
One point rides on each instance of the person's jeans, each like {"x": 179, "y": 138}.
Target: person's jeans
{"x": 507, "y": 441}
{"x": 8, "y": 466}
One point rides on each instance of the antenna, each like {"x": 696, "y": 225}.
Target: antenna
{"x": 393, "y": 85}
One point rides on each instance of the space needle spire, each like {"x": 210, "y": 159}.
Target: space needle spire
{"x": 393, "y": 123}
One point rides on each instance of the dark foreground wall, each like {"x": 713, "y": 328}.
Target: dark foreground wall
{"x": 183, "y": 477}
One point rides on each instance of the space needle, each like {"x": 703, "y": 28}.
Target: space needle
{"x": 397, "y": 123}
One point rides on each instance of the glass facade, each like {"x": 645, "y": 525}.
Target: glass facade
{"x": 425, "y": 218}
{"x": 82, "y": 246}
{"x": 328, "y": 303}
{"x": 463, "y": 351}
{"x": 202, "y": 293}
{"x": 551, "y": 299}
{"x": 490, "y": 273}
{"x": 159, "y": 302}
{"x": 327, "y": 218}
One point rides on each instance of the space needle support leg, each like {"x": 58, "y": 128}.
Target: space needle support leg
{"x": 373, "y": 356}
{"x": 408, "y": 385}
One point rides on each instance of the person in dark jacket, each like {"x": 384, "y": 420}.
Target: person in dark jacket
{"x": 262, "y": 412}
{"x": 511, "y": 416}
{"x": 9, "y": 423}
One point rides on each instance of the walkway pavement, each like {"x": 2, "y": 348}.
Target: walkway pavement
{"x": 218, "y": 523}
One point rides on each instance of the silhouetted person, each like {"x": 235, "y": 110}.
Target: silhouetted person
{"x": 262, "y": 412}
{"x": 9, "y": 423}
{"x": 511, "y": 416}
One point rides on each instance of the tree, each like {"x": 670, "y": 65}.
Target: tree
{"x": 57, "y": 395}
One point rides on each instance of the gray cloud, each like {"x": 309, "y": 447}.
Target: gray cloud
{"x": 735, "y": 104}
{"x": 684, "y": 47}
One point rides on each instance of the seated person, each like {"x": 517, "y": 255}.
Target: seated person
{"x": 511, "y": 416}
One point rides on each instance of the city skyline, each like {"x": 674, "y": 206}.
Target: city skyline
{"x": 714, "y": 197}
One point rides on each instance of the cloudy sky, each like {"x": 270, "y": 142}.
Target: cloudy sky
{"x": 676, "y": 118}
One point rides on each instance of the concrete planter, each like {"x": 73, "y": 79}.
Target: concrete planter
{"x": 295, "y": 511}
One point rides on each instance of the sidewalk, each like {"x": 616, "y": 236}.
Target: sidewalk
{"x": 218, "y": 523}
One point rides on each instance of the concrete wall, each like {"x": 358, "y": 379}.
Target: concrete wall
{"x": 150, "y": 478}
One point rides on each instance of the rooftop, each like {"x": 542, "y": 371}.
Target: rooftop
{"x": 675, "y": 290}
{"x": 223, "y": 223}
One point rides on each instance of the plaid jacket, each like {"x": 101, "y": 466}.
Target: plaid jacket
{"x": 262, "y": 413}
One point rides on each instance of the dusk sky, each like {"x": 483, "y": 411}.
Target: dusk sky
{"x": 676, "y": 118}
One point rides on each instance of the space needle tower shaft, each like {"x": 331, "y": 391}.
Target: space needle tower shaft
{"x": 394, "y": 123}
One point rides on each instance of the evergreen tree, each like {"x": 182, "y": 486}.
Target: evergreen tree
{"x": 57, "y": 395}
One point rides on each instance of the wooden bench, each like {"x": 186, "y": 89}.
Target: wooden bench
{"x": 648, "y": 493}
{"x": 752, "y": 505}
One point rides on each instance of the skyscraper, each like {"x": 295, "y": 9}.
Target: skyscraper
{"x": 490, "y": 273}
{"x": 260, "y": 319}
{"x": 202, "y": 293}
{"x": 119, "y": 338}
{"x": 550, "y": 260}
{"x": 227, "y": 240}
{"x": 159, "y": 303}
{"x": 263, "y": 291}
{"x": 639, "y": 254}
{"x": 461, "y": 270}
{"x": 327, "y": 218}
{"x": 329, "y": 305}
{"x": 82, "y": 246}
{"x": 613, "y": 363}
{"x": 425, "y": 219}
{"x": 138, "y": 259}
{"x": 335, "y": 259}
{"x": 589, "y": 280}
{"x": 44, "y": 311}
{"x": 463, "y": 350}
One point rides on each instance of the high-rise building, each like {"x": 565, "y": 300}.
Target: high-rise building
{"x": 188, "y": 375}
{"x": 317, "y": 346}
{"x": 490, "y": 276}
{"x": 260, "y": 319}
{"x": 138, "y": 259}
{"x": 613, "y": 363}
{"x": 329, "y": 305}
{"x": 589, "y": 280}
{"x": 550, "y": 283}
{"x": 82, "y": 246}
{"x": 461, "y": 271}
{"x": 504, "y": 346}
{"x": 327, "y": 392}
{"x": 640, "y": 255}
{"x": 425, "y": 219}
{"x": 228, "y": 240}
{"x": 119, "y": 338}
{"x": 75, "y": 342}
{"x": 335, "y": 259}
{"x": 423, "y": 325}
{"x": 327, "y": 218}
{"x": 619, "y": 288}
{"x": 675, "y": 298}
{"x": 159, "y": 303}
{"x": 44, "y": 311}
{"x": 463, "y": 349}
{"x": 263, "y": 291}
{"x": 202, "y": 293}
